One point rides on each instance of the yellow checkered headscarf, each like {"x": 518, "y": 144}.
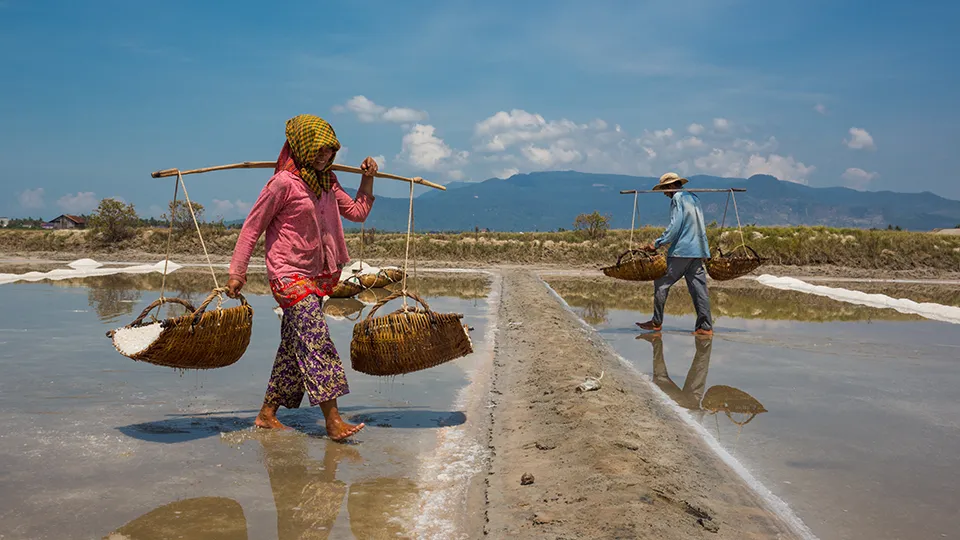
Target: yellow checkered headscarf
{"x": 306, "y": 135}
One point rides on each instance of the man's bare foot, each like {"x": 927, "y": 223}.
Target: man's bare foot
{"x": 649, "y": 325}
{"x": 267, "y": 418}
{"x": 699, "y": 332}
{"x": 339, "y": 430}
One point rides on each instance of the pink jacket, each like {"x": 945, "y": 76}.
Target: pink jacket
{"x": 304, "y": 233}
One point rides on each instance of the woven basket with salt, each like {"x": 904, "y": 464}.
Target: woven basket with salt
{"x": 736, "y": 263}
{"x": 348, "y": 288}
{"x": 409, "y": 339}
{"x": 200, "y": 339}
{"x": 638, "y": 265}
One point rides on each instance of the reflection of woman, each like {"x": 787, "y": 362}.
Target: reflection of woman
{"x": 695, "y": 383}
{"x": 300, "y": 209}
{"x": 309, "y": 497}
{"x": 307, "y": 494}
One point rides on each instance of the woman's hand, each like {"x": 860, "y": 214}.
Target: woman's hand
{"x": 369, "y": 167}
{"x": 233, "y": 287}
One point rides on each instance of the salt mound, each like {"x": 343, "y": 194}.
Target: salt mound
{"x": 130, "y": 341}
{"x": 360, "y": 267}
{"x": 933, "y": 311}
{"x": 84, "y": 264}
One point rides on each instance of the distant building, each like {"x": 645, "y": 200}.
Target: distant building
{"x": 67, "y": 221}
{"x": 4, "y": 222}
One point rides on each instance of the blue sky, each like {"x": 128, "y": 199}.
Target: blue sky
{"x": 95, "y": 95}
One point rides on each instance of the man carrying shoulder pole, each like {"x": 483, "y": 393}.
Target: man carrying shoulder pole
{"x": 687, "y": 236}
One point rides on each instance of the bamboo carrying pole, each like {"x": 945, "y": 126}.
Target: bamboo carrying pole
{"x": 632, "y": 191}
{"x": 272, "y": 164}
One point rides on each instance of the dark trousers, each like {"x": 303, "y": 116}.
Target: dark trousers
{"x": 696, "y": 276}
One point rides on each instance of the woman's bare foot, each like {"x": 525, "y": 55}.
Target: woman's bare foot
{"x": 267, "y": 418}
{"x": 337, "y": 429}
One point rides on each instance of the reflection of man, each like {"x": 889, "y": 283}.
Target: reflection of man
{"x": 687, "y": 236}
{"x": 694, "y": 384}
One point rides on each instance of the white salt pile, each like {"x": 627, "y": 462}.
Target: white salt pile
{"x": 84, "y": 264}
{"x": 130, "y": 341}
{"x": 358, "y": 267}
{"x": 936, "y": 312}
{"x": 83, "y": 268}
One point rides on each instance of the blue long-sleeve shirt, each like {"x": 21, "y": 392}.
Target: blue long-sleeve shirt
{"x": 686, "y": 234}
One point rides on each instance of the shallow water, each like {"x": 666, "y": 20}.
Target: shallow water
{"x": 853, "y": 423}
{"x": 95, "y": 444}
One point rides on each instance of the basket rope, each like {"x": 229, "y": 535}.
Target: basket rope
{"x": 217, "y": 290}
{"x": 406, "y": 257}
{"x": 730, "y": 195}
{"x": 633, "y": 220}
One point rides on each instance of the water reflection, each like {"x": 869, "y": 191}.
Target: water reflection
{"x": 594, "y": 297}
{"x": 201, "y": 518}
{"x": 739, "y": 406}
{"x": 343, "y": 308}
{"x": 307, "y": 494}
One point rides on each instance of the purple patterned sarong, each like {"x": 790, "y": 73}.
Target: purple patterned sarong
{"x": 307, "y": 360}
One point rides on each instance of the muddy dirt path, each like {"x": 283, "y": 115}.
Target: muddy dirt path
{"x": 612, "y": 463}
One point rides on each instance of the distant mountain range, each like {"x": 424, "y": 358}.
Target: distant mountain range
{"x": 547, "y": 201}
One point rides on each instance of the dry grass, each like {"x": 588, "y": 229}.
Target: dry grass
{"x": 792, "y": 246}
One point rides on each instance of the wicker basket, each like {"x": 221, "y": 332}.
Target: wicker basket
{"x": 407, "y": 340}
{"x": 393, "y": 274}
{"x": 347, "y": 288}
{"x": 374, "y": 281}
{"x": 638, "y": 265}
{"x": 739, "y": 262}
{"x": 199, "y": 339}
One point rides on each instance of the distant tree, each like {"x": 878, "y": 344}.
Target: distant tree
{"x": 713, "y": 225}
{"x": 182, "y": 219}
{"x": 114, "y": 221}
{"x": 897, "y": 228}
{"x": 594, "y": 226}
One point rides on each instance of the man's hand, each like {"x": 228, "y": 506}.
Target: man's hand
{"x": 649, "y": 247}
{"x": 233, "y": 287}
{"x": 369, "y": 166}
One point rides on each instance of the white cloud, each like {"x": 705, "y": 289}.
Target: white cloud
{"x": 695, "y": 129}
{"x": 689, "y": 142}
{"x": 784, "y": 168}
{"x": 228, "y": 208}
{"x": 507, "y": 173}
{"x": 860, "y": 139}
{"x": 857, "y": 178}
{"x": 748, "y": 145}
{"x": 721, "y": 124}
{"x": 404, "y": 115}
{"x": 455, "y": 175}
{"x": 556, "y": 154}
{"x": 423, "y": 149}
{"x": 31, "y": 198}
{"x": 651, "y": 153}
{"x": 79, "y": 203}
{"x": 368, "y": 111}
{"x": 506, "y": 129}
{"x": 820, "y": 108}
{"x": 733, "y": 164}
{"x": 381, "y": 161}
